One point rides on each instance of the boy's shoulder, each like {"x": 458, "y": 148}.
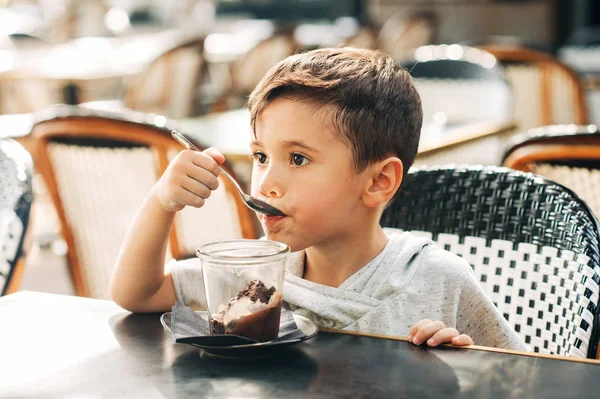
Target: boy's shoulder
{"x": 417, "y": 251}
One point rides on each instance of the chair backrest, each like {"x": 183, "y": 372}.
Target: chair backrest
{"x": 250, "y": 69}
{"x": 99, "y": 167}
{"x": 566, "y": 154}
{"x": 20, "y": 96}
{"x": 366, "y": 38}
{"x": 401, "y": 34}
{"x": 16, "y": 195}
{"x": 546, "y": 90}
{"x": 464, "y": 83}
{"x": 533, "y": 245}
{"x": 170, "y": 84}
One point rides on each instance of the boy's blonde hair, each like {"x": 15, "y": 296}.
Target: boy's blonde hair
{"x": 377, "y": 108}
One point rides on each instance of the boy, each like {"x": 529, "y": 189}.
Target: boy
{"x": 335, "y": 131}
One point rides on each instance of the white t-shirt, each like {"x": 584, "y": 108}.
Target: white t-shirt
{"x": 410, "y": 280}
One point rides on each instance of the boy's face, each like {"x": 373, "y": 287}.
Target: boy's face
{"x": 301, "y": 168}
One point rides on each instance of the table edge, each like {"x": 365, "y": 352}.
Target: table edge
{"x": 474, "y": 347}
{"x": 468, "y": 133}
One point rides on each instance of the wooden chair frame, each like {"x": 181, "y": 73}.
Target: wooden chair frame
{"x": 555, "y": 148}
{"x": 515, "y": 53}
{"x": 157, "y": 138}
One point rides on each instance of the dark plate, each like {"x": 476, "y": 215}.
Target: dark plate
{"x": 258, "y": 349}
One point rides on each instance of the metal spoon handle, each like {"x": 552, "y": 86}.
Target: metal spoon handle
{"x": 181, "y": 139}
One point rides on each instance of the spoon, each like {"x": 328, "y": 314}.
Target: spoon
{"x": 251, "y": 202}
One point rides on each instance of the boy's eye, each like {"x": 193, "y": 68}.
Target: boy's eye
{"x": 259, "y": 157}
{"x": 299, "y": 160}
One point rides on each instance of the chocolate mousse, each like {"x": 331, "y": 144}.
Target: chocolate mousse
{"x": 253, "y": 313}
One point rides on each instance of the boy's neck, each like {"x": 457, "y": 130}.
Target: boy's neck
{"x": 332, "y": 265}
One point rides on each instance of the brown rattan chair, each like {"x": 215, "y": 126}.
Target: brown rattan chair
{"x": 546, "y": 90}
{"x": 567, "y": 154}
{"x": 99, "y": 167}
{"x": 533, "y": 245}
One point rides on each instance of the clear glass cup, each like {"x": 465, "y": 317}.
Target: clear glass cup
{"x": 243, "y": 283}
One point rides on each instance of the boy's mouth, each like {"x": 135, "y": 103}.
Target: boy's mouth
{"x": 272, "y": 220}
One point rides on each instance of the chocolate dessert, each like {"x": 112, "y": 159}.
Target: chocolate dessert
{"x": 253, "y": 313}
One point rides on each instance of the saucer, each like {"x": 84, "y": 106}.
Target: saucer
{"x": 307, "y": 328}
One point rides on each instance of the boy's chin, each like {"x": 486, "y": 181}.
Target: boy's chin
{"x": 294, "y": 245}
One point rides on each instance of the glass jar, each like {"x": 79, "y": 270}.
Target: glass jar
{"x": 243, "y": 283}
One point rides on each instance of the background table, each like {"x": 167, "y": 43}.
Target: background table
{"x": 61, "y": 346}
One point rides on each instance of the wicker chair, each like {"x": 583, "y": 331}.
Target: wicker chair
{"x": 546, "y": 90}
{"x": 99, "y": 167}
{"x": 170, "y": 84}
{"x": 246, "y": 72}
{"x": 16, "y": 195}
{"x": 532, "y": 243}
{"x": 463, "y": 83}
{"x": 567, "y": 154}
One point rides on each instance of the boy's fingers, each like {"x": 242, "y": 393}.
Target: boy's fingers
{"x": 191, "y": 199}
{"x": 443, "y": 336}
{"x": 462, "y": 340}
{"x": 203, "y": 176}
{"x": 414, "y": 329}
{"x": 215, "y": 154}
{"x": 196, "y": 187}
{"x": 204, "y": 161}
{"x": 427, "y": 331}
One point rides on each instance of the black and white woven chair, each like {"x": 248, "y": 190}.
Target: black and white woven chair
{"x": 16, "y": 195}
{"x": 532, "y": 243}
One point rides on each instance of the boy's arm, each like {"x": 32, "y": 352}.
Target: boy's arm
{"x": 480, "y": 318}
{"x": 139, "y": 283}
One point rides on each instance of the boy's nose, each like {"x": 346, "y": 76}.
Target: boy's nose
{"x": 270, "y": 183}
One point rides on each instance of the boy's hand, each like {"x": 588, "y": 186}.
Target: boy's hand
{"x": 436, "y": 333}
{"x": 189, "y": 179}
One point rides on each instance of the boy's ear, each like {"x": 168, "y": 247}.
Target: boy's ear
{"x": 385, "y": 179}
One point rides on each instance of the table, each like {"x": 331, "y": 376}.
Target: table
{"x": 88, "y": 58}
{"x": 62, "y": 346}
{"x": 71, "y": 65}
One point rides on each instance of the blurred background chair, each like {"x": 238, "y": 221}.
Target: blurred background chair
{"x": 546, "y": 90}
{"x": 16, "y": 196}
{"x": 246, "y": 72}
{"x": 400, "y": 35}
{"x": 170, "y": 85}
{"x": 582, "y": 53}
{"x": 365, "y": 37}
{"x": 99, "y": 167}
{"x": 18, "y": 96}
{"x": 532, "y": 243}
{"x": 567, "y": 154}
{"x": 459, "y": 84}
